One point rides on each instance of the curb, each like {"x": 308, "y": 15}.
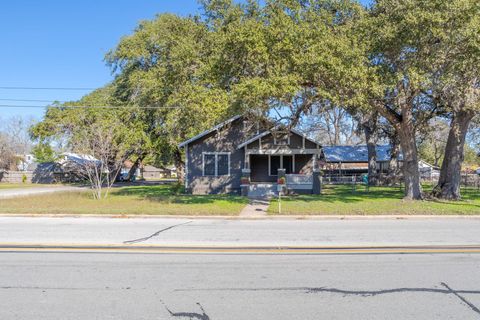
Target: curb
{"x": 260, "y": 217}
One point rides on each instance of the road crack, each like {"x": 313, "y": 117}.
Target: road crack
{"x": 154, "y": 234}
{"x": 189, "y": 315}
{"x": 364, "y": 293}
{"x": 456, "y": 293}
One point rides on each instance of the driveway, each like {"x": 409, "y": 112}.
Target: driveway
{"x": 21, "y": 192}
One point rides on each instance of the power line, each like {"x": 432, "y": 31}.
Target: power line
{"x": 47, "y": 88}
{"x": 30, "y": 100}
{"x": 88, "y": 107}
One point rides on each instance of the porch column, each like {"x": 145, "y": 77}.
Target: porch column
{"x": 246, "y": 164}
{"x": 245, "y": 178}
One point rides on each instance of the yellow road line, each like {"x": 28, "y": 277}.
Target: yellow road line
{"x": 245, "y": 250}
{"x": 209, "y": 246}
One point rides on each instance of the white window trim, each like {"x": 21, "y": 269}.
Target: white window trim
{"x": 282, "y": 144}
{"x": 216, "y": 154}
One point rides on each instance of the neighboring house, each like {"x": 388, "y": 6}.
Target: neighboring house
{"x": 74, "y": 166}
{"x": 26, "y": 162}
{"x": 148, "y": 171}
{"x": 151, "y": 172}
{"x": 235, "y": 156}
{"x": 170, "y": 172}
{"x": 126, "y": 167}
{"x": 428, "y": 171}
{"x": 76, "y": 159}
{"x": 353, "y": 160}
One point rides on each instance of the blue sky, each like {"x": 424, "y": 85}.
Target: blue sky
{"x": 60, "y": 43}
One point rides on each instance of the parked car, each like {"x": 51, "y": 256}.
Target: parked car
{"x": 123, "y": 177}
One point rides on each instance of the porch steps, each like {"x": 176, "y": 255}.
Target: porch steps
{"x": 262, "y": 190}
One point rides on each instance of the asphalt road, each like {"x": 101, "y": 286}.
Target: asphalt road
{"x": 238, "y": 286}
{"x": 105, "y": 274}
{"x": 221, "y": 232}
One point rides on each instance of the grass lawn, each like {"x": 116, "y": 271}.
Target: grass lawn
{"x": 379, "y": 200}
{"x": 154, "y": 200}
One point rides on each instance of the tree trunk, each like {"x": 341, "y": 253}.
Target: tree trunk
{"x": 180, "y": 165}
{"x": 393, "y": 170}
{"x": 370, "y": 130}
{"x": 405, "y": 129}
{"x": 411, "y": 174}
{"x": 134, "y": 167}
{"x": 448, "y": 186}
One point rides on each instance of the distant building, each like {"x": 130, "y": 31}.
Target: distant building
{"x": 26, "y": 162}
{"x": 351, "y": 160}
{"x": 428, "y": 171}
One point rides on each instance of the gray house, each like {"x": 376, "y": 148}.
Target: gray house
{"x": 237, "y": 157}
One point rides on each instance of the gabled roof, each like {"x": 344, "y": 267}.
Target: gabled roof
{"x": 265, "y": 133}
{"x": 204, "y": 133}
{"x": 254, "y": 138}
{"x": 356, "y": 153}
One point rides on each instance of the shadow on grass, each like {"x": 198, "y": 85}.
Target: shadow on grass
{"x": 168, "y": 194}
{"x": 347, "y": 194}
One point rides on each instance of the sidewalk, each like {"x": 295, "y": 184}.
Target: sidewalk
{"x": 256, "y": 208}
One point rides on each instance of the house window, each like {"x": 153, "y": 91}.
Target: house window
{"x": 216, "y": 164}
{"x": 222, "y": 164}
{"x": 281, "y": 139}
{"x": 209, "y": 165}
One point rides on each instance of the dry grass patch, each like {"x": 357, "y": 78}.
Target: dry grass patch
{"x": 150, "y": 200}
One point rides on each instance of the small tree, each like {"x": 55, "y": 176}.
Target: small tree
{"x": 102, "y": 149}
{"x": 43, "y": 152}
{"x": 7, "y": 154}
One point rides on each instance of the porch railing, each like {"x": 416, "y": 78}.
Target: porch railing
{"x": 299, "y": 181}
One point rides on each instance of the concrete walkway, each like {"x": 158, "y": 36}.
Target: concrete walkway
{"x": 21, "y": 192}
{"x": 255, "y": 208}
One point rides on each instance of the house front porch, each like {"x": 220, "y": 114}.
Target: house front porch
{"x": 263, "y": 171}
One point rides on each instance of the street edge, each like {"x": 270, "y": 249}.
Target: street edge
{"x": 226, "y": 217}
